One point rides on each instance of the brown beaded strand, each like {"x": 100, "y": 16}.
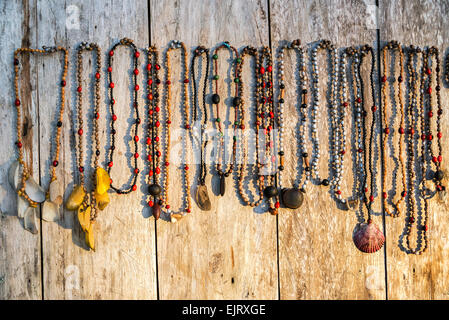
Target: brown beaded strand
{"x": 26, "y": 174}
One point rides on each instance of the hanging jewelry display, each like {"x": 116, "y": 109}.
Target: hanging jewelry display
{"x": 352, "y": 201}
{"x": 393, "y": 46}
{"x": 221, "y": 153}
{"x": 153, "y": 133}
{"x": 367, "y": 236}
{"x": 30, "y": 193}
{"x": 201, "y": 194}
{"x": 244, "y": 147}
{"x": 332, "y": 105}
{"x": 85, "y": 202}
{"x": 293, "y": 197}
{"x": 175, "y": 216}
{"x": 127, "y": 43}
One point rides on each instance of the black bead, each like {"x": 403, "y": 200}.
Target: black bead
{"x": 215, "y": 98}
{"x": 113, "y": 131}
{"x": 270, "y": 192}
{"x": 400, "y": 78}
{"x": 236, "y": 101}
{"x": 112, "y": 147}
{"x": 226, "y": 174}
{"x": 160, "y": 202}
{"x": 303, "y": 106}
{"x": 282, "y": 86}
{"x": 307, "y": 169}
{"x": 138, "y": 120}
{"x": 281, "y": 100}
{"x": 439, "y": 175}
{"x": 305, "y": 154}
{"x": 97, "y": 152}
{"x": 325, "y": 182}
{"x": 281, "y": 153}
{"x": 302, "y": 190}
{"x": 304, "y": 91}
{"x": 16, "y": 62}
{"x": 59, "y": 124}
{"x": 281, "y": 168}
{"x": 158, "y": 81}
{"x": 156, "y": 95}
{"x": 154, "y": 189}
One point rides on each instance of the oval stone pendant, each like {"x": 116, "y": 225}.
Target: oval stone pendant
{"x": 292, "y": 198}
{"x": 156, "y": 210}
{"x": 222, "y": 185}
{"x": 202, "y": 197}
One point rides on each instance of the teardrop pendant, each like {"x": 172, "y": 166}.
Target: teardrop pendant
{"x": 222, "y": 184}
{"x": 202, "y": 197}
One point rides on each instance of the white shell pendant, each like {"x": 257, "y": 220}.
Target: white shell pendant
{"x": 54, "y": 191}
{"x": 29, "y": 220}
{"x": 34, "y": 190}
{"x": 14, "y": 175}
{"x": 50, "y": 211}
{"x": 22, "y": 206}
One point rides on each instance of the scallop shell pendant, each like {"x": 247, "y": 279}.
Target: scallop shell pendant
{"x": 50, "y": 211}
{"x": 202, "y": 198}
{"x": 30, "y": 220}
{"x": 367, "y": 237}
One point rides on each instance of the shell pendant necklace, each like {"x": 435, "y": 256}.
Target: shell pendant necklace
{"x": 30, "y": 193}
{"x": 201, "y": 194}
{"x": 176, "y": 216}
{"x": 221, "y": 154}
{"x": 367, "y": 236}
{"x": 153, "y": 143}
{"x": 293, "y": 197}
{"x": 85, "y": 202}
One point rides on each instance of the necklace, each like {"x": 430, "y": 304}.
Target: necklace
{"x": 367, "y": 236}
{"x": 332, "y": 53}
{"x": 393, "y": 46}
{"x": 293, "y": 197}
{"x": 128, "y": 43}
{"x": 243, "y": 162}
{"x": 87, "y": 202}
{"x": 176, "y": 44}
{"x": 152, "y": 140}
{"x": 201, "y": 195}
{"x": 30, "y": 193}
{"x": 216, "y": 100}
{"x": 352, "y": 201}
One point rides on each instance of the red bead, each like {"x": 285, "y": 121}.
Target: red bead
{"x": 136, "y": 138}
{"x": 167, "y": 206}
{"x": 156, "y": 139}
{"x": 113, "y": 101}
{"x": 426, "y": 228}
{"x": 371, "y": 198}
{"x": 434, "y": 159}
{"x": 428, "y": 71}
{"x": 111, "y": 85}
{"x": 384, "y": 79}
{"x": 150, "y": 158}
{"x": 97, "y": 75}
{"x": 342, "y": 152}
{"x": 271, "y": 114}
{"x": 136, "y": 155}
{"x": 157, "y": 67}
{"x": 345, "y": 104}
{"x": 79, "y": 89}
{"x": 168, "y": 122}
{"x": 150, "y": 203}
{"x": 134, "y": 187}
{"x": 430, "y": 114}
{"x": 136, "y": 71}
{"x": 338, "y": 192}
{"x": 384, "y": 195}
{"x": 186, "y": 80}
{"x": 366, "y": 189}
{"x": 19, "y": 144}
{"x": 429, "y": 137}
{"x": 150, "y": 96}
{"x": 110, "y": 181}
{"x": 411, "y": 219}
{"x": 114, "y": 117}
{"x": 158, "y": 170}
{"x": 157, "y": 124}
{"x": 262, "y": 70}
{"x": 81, "y": 169}
{"x": 412, "y": 131}
{"x": 157, "y": 109}
{"x": 110, "y": 164}
{"x": 55, "y": 163}
{"x": 359, "y": 100}
{"x": 401, "y": 130}
{"x": 429, "y": 90}
{"x": 187, "y": 126}
{"x": 63, "y": 83}
{"x": 264, "y": 85}
{"x": 111, "y": 53}
{"x": 277, "y": 204}
{"x": 423, "y": 137}
{"x": 150, "y": 82}
{"x": 136, "y": 87}
{"x": 188, "y": 210}
{"x": 149, "y": 66}
{"x": 150, "y": 173}
{"x": 440, "y": 158}
{"x": 17, "y": 102}
{"x": 80, "y": 132}
{"x": 439, "y": 135}
{"x": 360, "y": 150}
{"x": 168, "y": 82}
{"x": 374, "y": 108}
{"x": 403, "y": 194}
{"x": 270, "y": 68}
{"x": 109, "y": 69}
{"x": 136, "y": 171}
{"x": 97, "y": 116}
{"x": 242, "y": 126}
{"x": 387, "y": 130}
{"x": 186, "y": 168}
{"x": 137, "y": 54}
{"x": 167, "y": 163}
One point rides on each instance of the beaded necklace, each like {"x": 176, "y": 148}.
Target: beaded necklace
{"x": 201, "y": 194}
{"x": 293, "y": 197}
{"x": 29, "y": 192}
{"x": 128, "y": 43}
{"x": 367, "y": 236}
{"x": 243, "y": 162}
{"x": 216, "y": 100}
{"x": 333, "y": 71}
{"x": 176, "y": 44}
{"x": 393, "y": 46}
{"x": 152, "y": 139}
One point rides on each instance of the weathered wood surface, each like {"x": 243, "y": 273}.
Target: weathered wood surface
{"x": 229, "y": 252}
{"x": 421, "y": 23}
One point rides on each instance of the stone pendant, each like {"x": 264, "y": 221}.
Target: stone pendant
{"x": 292, "y": 198}
{"x": 22, "y": 206}
{"x": 352, "y": 204}
{"x": 13, "y": 175}
{"x": 30, "y": 220}
{"x": 34, "y": 190}
{"x": 156, "y": 210}
{"x": 202, "y": 197}
{"x": 222, "y": 185}
{"x": 175, "y": 217}
{"x": 50, "y": 211}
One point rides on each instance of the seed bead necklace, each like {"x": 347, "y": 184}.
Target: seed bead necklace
{"x": 293, "y": 197}
{"x": 216, "y": 100}
{"x": 393, "y": 46}
{"x": 153, "y": 144}
{"x": 176, "y": 44}
{"x": 332, "y": 53}
{"x": 201, "y": 195}
{"x": 128, "y": 43}
{"x": 243, "y": 163}
{"x": 34, "y": 194}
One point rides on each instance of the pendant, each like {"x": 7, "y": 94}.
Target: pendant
{"x": 50, "y": 211}
{"x": 84, "y": 217}
{"x": 175, "y": 217}
{"x": 103, "y": 182}
{"x": 292, "y": 198}
{"x": 54, "y": 192}
{"x": 22, "y": 206}
{"x": 14, "y": 175}
{"x": 29, "y": 220}
{"x": 367, "y": 237}
{"x": 352, "y": 204}
{"x": 270, "y": 192}
{"x": 102, "y": 200}
{"x": 90, "y": 240}
{"x": 222, "y": 185}
{"x": 34, "y": 191}
{"x": 156, "y": 210}
{"x": 202, "y": 197}
{"x": 76, "y": 198}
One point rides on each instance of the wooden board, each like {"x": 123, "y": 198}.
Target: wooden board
{"x": 425, "y": 276}
{"x": 20, "y": 251}
{"x": 317, "y": 257}
{"x": 230, "y": 251}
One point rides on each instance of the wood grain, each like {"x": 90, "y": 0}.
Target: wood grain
{"x": 230, "y": 251}
{"x": 317, "y": 257}
{"x": 421, "y": 23}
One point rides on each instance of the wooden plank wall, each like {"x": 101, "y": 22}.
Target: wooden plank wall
{"x": 231, "y": 252}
